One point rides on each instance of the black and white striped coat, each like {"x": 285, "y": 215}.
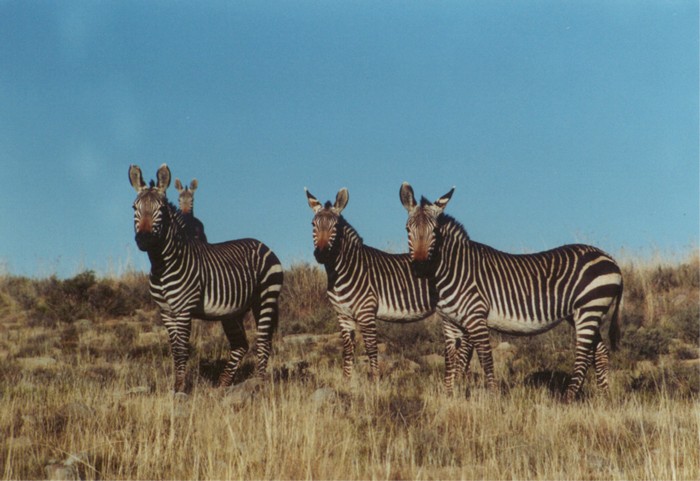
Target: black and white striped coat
{"x": 191, "y": 278}
{"x": 364, "y": 283}
{"x": 480, "y": 288}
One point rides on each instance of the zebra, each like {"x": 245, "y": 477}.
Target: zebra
{"x": 191, "y": 278}
{"x": 480, "y": 287}
{"x": 186, "y": 206}
{"x": 364, "y": 283}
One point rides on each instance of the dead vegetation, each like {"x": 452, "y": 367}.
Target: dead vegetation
{"x": 86, "y": 374}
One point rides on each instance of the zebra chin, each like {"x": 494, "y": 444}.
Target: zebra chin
{"x": 146, "y": 241}
{"x": 424, "y": 269}
{"x": 323, "y": 256}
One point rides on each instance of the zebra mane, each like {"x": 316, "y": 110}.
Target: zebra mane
{"x": 446, "y": 220}
{"x": 179, "y": 221}
{"x": 349, "y": 231}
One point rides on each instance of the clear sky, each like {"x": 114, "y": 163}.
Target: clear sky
{"x": 557, "y": 122}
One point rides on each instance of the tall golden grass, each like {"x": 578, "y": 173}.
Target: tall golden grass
{"x": 98, "y": 388}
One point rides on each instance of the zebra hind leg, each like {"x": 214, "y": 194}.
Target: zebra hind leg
{"x": 368, "y": 329}
{"x": 479, "y": 337}
{"x": 601, "y": 362}
{"x": 465, "y": 351}
{"x": 452, "y": 335}
{"x": 235, "y": 332}
{"x": 587, "y": 340}
{"x": 266, "y": 315}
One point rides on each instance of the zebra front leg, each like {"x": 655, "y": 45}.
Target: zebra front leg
{"x": 235, "y": 333}
{"x": 347, "y": 335}
{"x": 179, "y": 329}
{"x": 480, "y": 338}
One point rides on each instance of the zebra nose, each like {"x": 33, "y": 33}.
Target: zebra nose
{"x": 322, "y": 241}
{"x": 420, "y": 253}
{"x": 144, "y": 226}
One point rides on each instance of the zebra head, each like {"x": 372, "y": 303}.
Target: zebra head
{"x": 186, "y": 197}
{"x": 149, "y": 207}
{"x": 325, "y": 223}
{"x": 422, "y": 222}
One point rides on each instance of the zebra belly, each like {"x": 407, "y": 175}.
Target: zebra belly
{"x": 389, "y": 314}
{"x": 515, "y": 326}
{"x": 212, "y": 309}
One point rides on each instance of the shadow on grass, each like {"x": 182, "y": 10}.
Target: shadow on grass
{"x": 554, "y": 381}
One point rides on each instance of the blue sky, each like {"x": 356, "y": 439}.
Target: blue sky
{"x": 558, "y": 122}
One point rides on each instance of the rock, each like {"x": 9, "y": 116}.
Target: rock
{"x": 239, "y": 394}
{"x": 149, "y": 338}
{"x": 76, "y": 410}
{"x": 139, "y": 390}
{"x": 19, "y": 443}
{"x": 505, "y": 346}
{"x": 406, "y": 365}
{"x": 31, "y": 363}
{"x": 82, "y": 325}
{"x": 323, "y": 395}
{"x": 180, "y": 396}
{"x": 61, "y": 472}
{"x": 433, "y": 360}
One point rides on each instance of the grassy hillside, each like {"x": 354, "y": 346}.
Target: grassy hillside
{"x": 86, "y": 375}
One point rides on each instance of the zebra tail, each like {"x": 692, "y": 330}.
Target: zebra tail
{"x": 614, "y": 333}
{"x": 271, "y": 287}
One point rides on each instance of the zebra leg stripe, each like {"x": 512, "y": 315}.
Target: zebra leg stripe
{"x": 602, "y": 359}
{"x": 465, "y": 350}
{"x": 587, "y": 340}
{"x": 454, "y": 342}
{"x": 179, "y": 329}
{"x": 235, "y": 332}
{"x": 347, "y": 334}
{"x": 266, "y": 313}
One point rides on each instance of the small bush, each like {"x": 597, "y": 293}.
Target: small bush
{"x": 685, "y": 322}
{"x": 647, "y": 342}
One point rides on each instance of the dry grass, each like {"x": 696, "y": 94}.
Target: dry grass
{"x": 99, "y": 389}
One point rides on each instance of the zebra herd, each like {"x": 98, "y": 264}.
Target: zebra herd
{"x": 472, "y": 287}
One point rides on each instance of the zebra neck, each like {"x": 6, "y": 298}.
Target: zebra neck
{"x": 453, "y": 241}
{"x": 348, "y": 254}
{"x": 174, "y": 247}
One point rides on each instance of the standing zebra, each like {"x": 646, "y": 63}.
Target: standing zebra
{"x": 364, "y": 284}
{"x": 480, "y": 288}
{"x": 190, "y": 278}
{"x": 186, "y": 205}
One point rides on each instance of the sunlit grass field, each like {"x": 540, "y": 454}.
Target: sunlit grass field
{"x": 86, "y": 379}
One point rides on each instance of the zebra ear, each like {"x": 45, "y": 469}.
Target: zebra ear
{"x": 341, "y": 200}
{"x": 441, "y": 203}
{"x": 136, "y": 178}
{"x": 313, "y": 201}
{"x": 407, "y": 198}
{"x": 194, "y": 185}
{"x": 178, "y": 186}
{"x": 163, "y": 176}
